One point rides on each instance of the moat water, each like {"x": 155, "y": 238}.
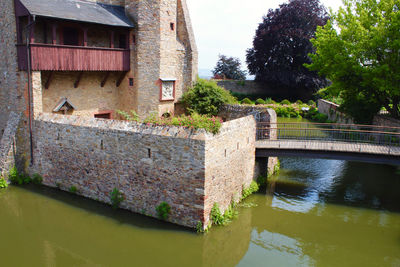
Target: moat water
{"x": 314, "y": 213}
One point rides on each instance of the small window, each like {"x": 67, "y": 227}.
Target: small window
{"x": 130, "y": 81}
{"x": 103, "y": 115}
{"x": 133, "y": 38}
{"x": 70, "y": 36}
{"x": 172, "y": 25}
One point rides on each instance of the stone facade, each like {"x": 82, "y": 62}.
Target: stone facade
{"x": 190, "y": 170}
{"x": 163, "y": 31}
{"x": 330, "y": 109}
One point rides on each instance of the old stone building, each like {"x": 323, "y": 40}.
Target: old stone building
{"x": 92, "y": 58}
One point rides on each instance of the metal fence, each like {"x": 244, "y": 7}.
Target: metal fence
{"x": 350, "y": 133}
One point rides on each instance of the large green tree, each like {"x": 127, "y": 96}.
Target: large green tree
{"x": 358, "y": 50}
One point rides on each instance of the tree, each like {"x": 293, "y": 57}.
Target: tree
{"x": 206, "y": 98}
{"x": 282, "y": 44}
{"x": 359, "y": 51}
{"x": 229, "y": 68}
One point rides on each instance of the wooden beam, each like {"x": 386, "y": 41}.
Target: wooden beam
{"x": 54, "y": 31}
{"x": 78, "y": 79}
{"x": 103, "y": 82}
{"x": 112, "y": 39}
{"x": 31, "y": 31}
{"x": 121, "y": 78}
{"x": 47, "y": 84}
{"x": 85, "y": 30}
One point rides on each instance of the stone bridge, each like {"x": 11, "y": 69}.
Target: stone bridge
{"x": 365, "y": 143}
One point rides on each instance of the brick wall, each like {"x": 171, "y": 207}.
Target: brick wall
{"x": 148, "y": 164}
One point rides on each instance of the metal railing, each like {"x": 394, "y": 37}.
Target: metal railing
{"x": 349, "y": 133}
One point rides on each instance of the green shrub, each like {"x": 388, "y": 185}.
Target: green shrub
{"x": 194, "y": 121}
{"x": 250, "y": 190}
{"x": 269, "y": 101}
{"x": 285, "y": 102}
{"x": 299, "y": 102}
{"x": 247, "y": 101}
{"x": 163, "y": 210}
{"x": 18, "y": 178}
{"x": 37, "y": 179}
{"x": 116, "y": 197}
{"x": 132, "y": 116}
{"x": 216, "y": 215}
{"x": 260, "y": 101}
{"x": 261, "y": 180}
{"x": 206, "y": 98}
{"x": 312, "y": 103}
{"x": 73, "y": 189}
{"x": 3, "y": 183}
{"x": 319, "y": 117}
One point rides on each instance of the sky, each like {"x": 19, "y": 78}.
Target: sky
{"x": 228, "y": 26}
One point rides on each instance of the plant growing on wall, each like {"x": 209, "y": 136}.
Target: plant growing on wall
{"x": 37, "y": 179}
{"x": 116, "y": 197}
{"x": 3, "y": 183}
{"x": 163, "y": 210}
{"x": 18, "y": 178}
{"x": 73, "y": 189}
{"x": 247, "y": 191}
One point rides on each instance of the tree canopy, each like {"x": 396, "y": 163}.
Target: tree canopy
{"x": 282, "y": 45}
{"x": 359, "y": 51}
{"x": 229, "y": 68}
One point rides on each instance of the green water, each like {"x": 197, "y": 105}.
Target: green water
{"x": 315, "y": 213}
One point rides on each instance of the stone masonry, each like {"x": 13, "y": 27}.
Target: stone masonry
{"x": 190, "y": 170}
{"x": 7, "y": 144}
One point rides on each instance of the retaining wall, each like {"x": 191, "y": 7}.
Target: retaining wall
{"x": 187, "y": 169}
{"x": 7, "y": 144}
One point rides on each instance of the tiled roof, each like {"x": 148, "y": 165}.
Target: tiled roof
{"x": 79, "y": 10}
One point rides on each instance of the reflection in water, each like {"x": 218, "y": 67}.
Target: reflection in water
{"x": 315, "y": 213}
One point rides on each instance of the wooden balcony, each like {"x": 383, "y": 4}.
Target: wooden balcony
{"x": 74, "y": 58}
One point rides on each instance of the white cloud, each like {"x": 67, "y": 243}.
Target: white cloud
{"x": 228, "y": 26}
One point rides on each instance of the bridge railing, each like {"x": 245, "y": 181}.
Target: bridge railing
{"x": 332, "y": 132}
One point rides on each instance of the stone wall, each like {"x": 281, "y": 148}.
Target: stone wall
{"x": 188, "y": 169}
{"x": 13, "y": 83}
{"x": 330, "y": 109}
{"x": 243, "y": 87}
{"x": 385, "y": 120}
{"x": 263, "y": 166}
{"x": 7, "y": 144}
{"x": 229, "y": 163}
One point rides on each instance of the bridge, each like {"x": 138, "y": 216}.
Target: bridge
{"x": 367, "y": 143}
